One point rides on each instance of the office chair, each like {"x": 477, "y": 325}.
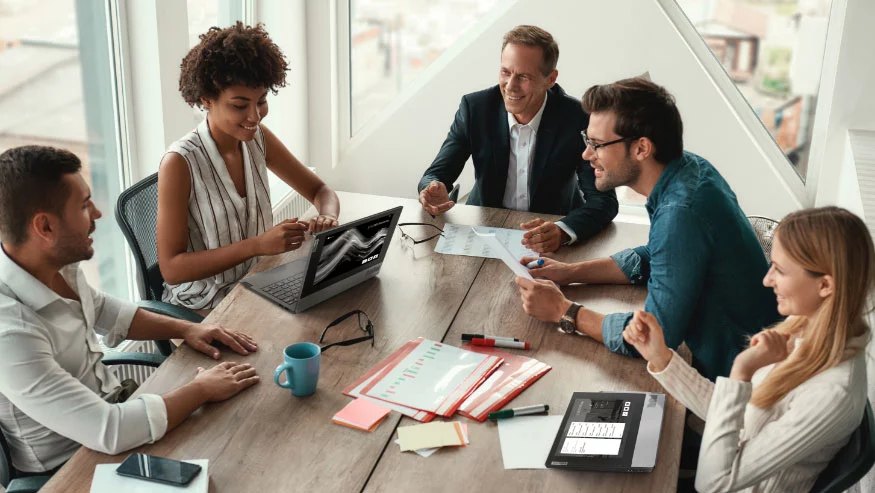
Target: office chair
{"x": 137, "y": 214}
{"x": 454, "y": 193}
{"x": 765, "y": 231}
{"x": 852, "y": 461}
{"x": 32, "y": 484}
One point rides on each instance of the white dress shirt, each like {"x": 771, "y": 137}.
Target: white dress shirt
{"x": 51, "y": 378}
{"x": 519, "y": 167}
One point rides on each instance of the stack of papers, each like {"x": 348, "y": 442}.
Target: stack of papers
{"x": 361, "y": 414}
{"x": 515, "y": 374}
{"x": 432, "y": 377}
{"x": 426, "y": 439}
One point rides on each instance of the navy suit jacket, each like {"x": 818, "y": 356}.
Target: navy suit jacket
{"x": 561, "y": 182}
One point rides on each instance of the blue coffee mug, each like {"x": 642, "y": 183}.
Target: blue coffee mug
{"x": 301, "y": 367}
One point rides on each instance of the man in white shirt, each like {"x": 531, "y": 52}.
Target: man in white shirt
{"x": 524, "y": 138}
{"x": 55, "y": 394}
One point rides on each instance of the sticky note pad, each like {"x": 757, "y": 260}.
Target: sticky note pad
{"x": 361, "y": 414}
{"x": 430, "y": 435}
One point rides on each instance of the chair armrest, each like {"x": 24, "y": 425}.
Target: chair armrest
{"x": 30, "y": 484}
{"x": 133, "y": 358}
{"x": 170, "y": 310}
{"x": 454, "y": 193}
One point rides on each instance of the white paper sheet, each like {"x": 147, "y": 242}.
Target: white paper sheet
{"x": 427, "y": 376}
{"x": 107, "y": 481}
{"x": 512, "y": 262}
{"x": 459, "y": 239}
{"x": 526, "y": 440}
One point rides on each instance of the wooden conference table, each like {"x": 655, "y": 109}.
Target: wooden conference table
{"x": 267, "y": 440}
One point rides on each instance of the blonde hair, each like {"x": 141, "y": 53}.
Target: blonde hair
{"x": 825, "y": 241}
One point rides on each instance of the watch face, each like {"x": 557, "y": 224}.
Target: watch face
{"x": 566, "y": 326}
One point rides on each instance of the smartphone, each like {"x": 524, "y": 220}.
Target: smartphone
{"x": 158, "y": 469}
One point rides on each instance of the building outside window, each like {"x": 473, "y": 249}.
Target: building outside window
{"x": 57, "y": 89}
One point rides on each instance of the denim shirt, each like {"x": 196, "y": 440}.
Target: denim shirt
{"x": 703, "y": 268}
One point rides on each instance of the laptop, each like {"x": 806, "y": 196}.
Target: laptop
{"x": 340, "y": 258}
{"x": 610, "y": 432}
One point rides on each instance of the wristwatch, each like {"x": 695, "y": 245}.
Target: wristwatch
{"x": 568, "y": 322}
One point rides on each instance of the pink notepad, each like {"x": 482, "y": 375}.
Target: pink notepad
{"x": 361, "y": 414}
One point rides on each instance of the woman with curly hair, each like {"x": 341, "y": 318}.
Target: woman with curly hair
{"x": 796, "y": 394}
{"x": 214, "y": 210}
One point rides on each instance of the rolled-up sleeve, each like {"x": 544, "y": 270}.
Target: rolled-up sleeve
{"x": 635, "y": 265}
{"x": 674, "y": 264}
{"x": 114, "y": 317}
{"x": 35, "y": 383}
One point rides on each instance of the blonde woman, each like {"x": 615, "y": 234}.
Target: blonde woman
{"x": 798, "y": 391}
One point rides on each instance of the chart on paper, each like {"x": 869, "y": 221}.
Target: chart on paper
{"x": 426, "y": 376}
{"x": 459, "y": 239}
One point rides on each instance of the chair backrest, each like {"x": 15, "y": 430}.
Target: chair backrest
{"x": 853, "y": 461}
{"x": 765, "y": 231}
{"x": 137, "y": 214}
{"x": 5, "y": 462}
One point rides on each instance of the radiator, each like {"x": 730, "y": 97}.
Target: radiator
{"x": 292, "y": 205}
{"x": 862, "y": 153}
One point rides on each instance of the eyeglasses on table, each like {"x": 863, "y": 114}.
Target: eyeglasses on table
{"x": 365, "y": 325}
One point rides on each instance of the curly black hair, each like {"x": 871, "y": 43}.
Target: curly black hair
{"x": 235, "y": 55}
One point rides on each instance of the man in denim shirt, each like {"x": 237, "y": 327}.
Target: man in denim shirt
{"x": 702, "y": 263}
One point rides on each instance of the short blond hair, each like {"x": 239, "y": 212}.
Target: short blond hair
{"x": 537, "y": 37}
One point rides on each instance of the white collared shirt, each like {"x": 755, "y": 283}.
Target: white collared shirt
{"x": 51, "y": 377}
{"x": 519, "y": 166}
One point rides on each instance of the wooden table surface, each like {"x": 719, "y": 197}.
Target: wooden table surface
{"x": 267, "y": 440}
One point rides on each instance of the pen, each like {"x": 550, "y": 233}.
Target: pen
{"x": 479, "y": 341}
{"x": 519, "y": 411}
{"x": 468, "y": 337}
{"x": 535, "y": 263}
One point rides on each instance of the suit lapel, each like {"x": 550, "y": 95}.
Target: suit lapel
{"x": 493, "y": 192}
{"x": 543, "y": 144}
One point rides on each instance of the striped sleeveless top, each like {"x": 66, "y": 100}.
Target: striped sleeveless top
{"x": 217, "y": 215}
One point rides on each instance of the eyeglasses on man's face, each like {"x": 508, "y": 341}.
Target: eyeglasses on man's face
{"x": 596, "y": 146}
{"x": 365, "y": 325}
{"x": 411, "y": 241}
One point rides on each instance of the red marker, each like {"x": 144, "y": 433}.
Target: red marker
{"x": 477, "y": 341}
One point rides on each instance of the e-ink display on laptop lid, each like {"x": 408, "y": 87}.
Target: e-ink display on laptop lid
{"x": 609, "y": 431}
{"x": 342, "y": 252}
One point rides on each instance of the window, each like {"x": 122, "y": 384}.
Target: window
{"x": 772, "y": 50}
{"x": 57, "y": 88}
{"x": 393, "y": 41}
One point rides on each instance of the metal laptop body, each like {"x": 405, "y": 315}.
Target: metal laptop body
{"x": 610, "y": 432}
{"x": 340, "y": 258}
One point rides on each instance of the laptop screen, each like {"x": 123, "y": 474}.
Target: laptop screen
{"x": 349, "y": 249}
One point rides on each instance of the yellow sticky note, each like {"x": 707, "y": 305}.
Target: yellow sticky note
{"x": 440, "y": 434}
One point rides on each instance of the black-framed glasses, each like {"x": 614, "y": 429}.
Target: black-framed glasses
{"x": 595, "y": 147}
{"x": 406, "y": 237}
{"x": 365, "y": 325}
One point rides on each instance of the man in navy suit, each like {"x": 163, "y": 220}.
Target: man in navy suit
{"x": 524, "y": 136}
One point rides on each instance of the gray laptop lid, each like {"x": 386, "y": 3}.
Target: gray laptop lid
{"x": 609, "y": 431}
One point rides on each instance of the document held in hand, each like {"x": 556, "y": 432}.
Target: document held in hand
{"x": 504, "y": 254}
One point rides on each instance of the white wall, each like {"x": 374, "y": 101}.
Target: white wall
{"x": 850, "y": 79}
{"x": 599, "y": 42}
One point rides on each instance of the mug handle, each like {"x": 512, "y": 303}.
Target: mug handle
{"x": 279, "y": 371}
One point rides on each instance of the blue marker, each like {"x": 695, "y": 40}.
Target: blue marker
{"x": 535, "y": 263}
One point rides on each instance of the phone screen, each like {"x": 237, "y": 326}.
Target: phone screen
{"x": 158, "y": 469}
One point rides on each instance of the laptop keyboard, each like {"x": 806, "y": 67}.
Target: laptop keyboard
{"x": 288, "y": 289}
